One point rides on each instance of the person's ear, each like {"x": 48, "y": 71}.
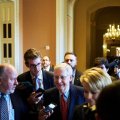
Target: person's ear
{"x": 27, "y": 65}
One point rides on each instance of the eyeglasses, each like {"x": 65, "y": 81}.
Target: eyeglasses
{"x": 35, "y": 65}
{"x": 60, "y": 77}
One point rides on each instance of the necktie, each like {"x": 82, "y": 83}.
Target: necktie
{"x": 37, "y": 83}
{"x": 34, "y": 83}
{"x": 3, "y": 108}
{"x": 64, "y": 108}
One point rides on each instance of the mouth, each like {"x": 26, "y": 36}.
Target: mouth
{"x": 59, "y": 85}
{"x": 90, "y": 102}
{"x": 14, "y": 88}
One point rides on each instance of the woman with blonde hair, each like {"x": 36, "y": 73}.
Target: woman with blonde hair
{"x": 93, "y": 81}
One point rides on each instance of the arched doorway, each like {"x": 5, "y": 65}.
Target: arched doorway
{"x": 99, "y": 23}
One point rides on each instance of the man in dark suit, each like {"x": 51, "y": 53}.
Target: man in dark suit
{"x": 15, "y": 107}
{"x": 46, "y": 64}
{"x": 64, "y": 91}
{"x": 102, "y": 63}
{"x": 47, "y": 79}
{"x": 71, "y": 59}
{"x": 36, "y": 76}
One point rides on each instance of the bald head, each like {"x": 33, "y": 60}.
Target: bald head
{"x": 6, "y": 69}
{"x": 8, "y": 78}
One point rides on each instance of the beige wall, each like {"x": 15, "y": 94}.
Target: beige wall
{"x": 39, "y": 26}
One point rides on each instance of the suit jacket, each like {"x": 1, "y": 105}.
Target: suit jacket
{"x": 51, "y": 68}
{"x": 77, "y": 78}
{"x": 52, "y": 96}
{"x": 48, "y": 81}
{"x": 20, "y": 108}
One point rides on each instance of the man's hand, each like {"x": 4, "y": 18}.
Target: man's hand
{"x": 44, "y": 115}
{"x": 33, "y": 99}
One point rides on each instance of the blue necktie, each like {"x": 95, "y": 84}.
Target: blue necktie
{"x": 3, "y": 108}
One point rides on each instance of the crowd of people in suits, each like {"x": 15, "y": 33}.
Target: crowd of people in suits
{"x": 71, "y": 94}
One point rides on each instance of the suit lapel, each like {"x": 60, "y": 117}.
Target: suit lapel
{"x": 71, "y": 102}
{"x": 29, "y": 78}
{"x": 12, "y": 100}
{"x": 44, "y": 79}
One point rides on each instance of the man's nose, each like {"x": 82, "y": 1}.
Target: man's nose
{"x": 59, "y": 79}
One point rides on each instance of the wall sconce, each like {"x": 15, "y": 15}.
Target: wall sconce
{"x": 47, "y": 47}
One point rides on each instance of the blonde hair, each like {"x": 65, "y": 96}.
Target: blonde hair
{"x": 96, "y": 78}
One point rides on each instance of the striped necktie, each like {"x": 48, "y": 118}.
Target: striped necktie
{"x": 3, "y": 108}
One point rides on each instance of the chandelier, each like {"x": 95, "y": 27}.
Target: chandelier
{"x": 112, "y": 33}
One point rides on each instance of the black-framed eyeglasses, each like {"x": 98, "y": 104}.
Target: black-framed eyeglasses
{"x": 35, "y": 65}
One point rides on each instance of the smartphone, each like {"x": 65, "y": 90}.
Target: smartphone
{"x": 41, "y": 91}
{"x": 50, "y": 107}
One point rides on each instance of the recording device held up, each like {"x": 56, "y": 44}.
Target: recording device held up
{"x": 50, "y": 107}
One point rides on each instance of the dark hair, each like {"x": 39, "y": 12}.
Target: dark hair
{"x": 31, "y": 53}
{"x": 108, "y": 102}
{"x": 71, "y": 53}
{"x": 100, "y": 61}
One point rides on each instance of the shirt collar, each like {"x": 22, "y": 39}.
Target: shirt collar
{"x": 40, "y": 76}
{"x": 66, "y": 94}
{"x": 74, "y": 71}
{"x": 5, "y": 95}
{"x": 47, "y": 69}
